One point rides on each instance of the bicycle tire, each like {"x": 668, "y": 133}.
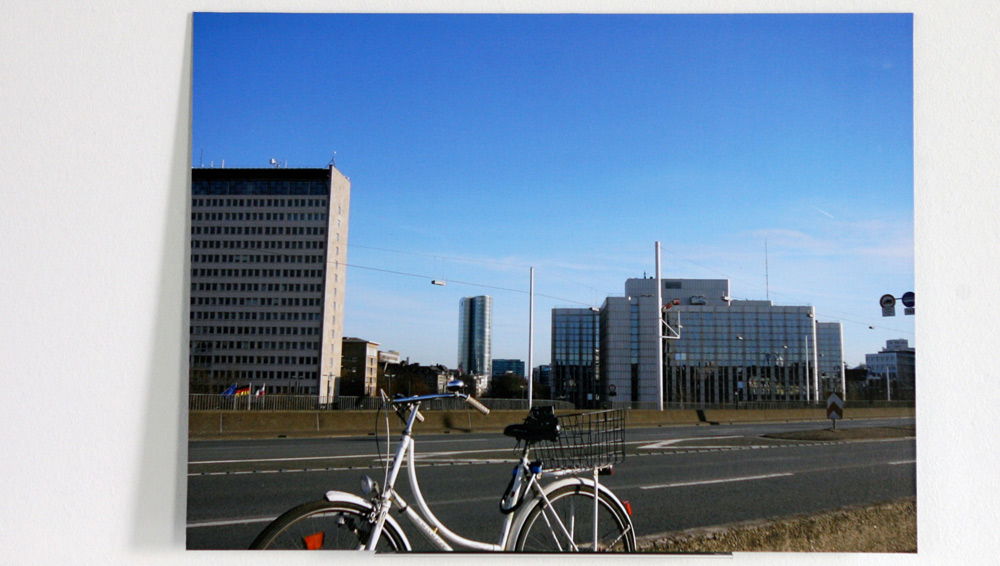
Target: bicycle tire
{"x": 327, "y": 525}
{"x": 574, "y": 504}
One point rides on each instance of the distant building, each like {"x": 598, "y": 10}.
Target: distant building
{"x": 475, "y": 336}
{"x": 896, "y": 365}
{"x": 575, "y": 344}
{"x": 728, "y": 351}
{"x": 268, "y": 253}
{"x": 830, "y": 345}
{"x": 543, "y": 375}
{"x": 415, "y": 379}
{"x": 503, "y": 367}
{"x": 360, "y": 363}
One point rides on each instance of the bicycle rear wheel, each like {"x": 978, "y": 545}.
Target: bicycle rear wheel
{"x": 327, "y": 525}
{"x": 567, "y": 525}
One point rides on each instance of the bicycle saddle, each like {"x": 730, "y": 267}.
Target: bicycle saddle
{"x": 540, "y": 424}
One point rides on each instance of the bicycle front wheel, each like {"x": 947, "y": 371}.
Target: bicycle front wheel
{"x": 327, "y": 525}
{"x": 566, "y": 524}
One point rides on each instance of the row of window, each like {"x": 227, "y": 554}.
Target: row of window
{"x": 257, "y": 216}
{"x": 257, "y": 301}
{"x": 264, "y": 258}
{"x": 200, "y": 360}
{"x": 266, "y": 287}
{"x": 269, "y": 330}
{"x": 244, "y": 375}
{"x": 254, "y": 273}
{"x": 203, "y": 346}
{"x": 259, "y": 202}
{"x": 255, "y": 315}
{"x": 260, "y": 244}
{"x": 260, "y": 187}
{"x": 259, "y": 230}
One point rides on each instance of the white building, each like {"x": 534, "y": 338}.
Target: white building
{"x": 894, "y": 365}
{"x": 727, "y": 351}
{"x": 268, "y": 266}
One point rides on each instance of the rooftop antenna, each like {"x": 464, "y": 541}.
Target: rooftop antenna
{"x": 333, "y": 160}
{"x": 201, "y": 158}
{"x": 275, "y": 163}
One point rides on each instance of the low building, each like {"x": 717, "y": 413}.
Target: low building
{"x": 503, "y": 367}
{"x": 895, "y": 366}
{"x": 360, "y": 367}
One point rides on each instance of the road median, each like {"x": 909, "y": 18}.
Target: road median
{"x": 205, "y": 425}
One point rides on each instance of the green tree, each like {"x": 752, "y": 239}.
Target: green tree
{"x": 508, "y": 386}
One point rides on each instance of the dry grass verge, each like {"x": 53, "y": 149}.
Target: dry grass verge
{"x": 884, "y": 527}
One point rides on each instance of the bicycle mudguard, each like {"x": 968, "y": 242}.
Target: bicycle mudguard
{"x": 360, "y": 501}
{"x": 525, "y": 509}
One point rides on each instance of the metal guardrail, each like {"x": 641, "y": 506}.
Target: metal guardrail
{"x": 199, "y": 402}
{"x": 760, "y": 405}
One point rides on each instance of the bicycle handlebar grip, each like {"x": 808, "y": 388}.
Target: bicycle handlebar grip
{"x": 420, "y": 416}
{"x": 477, "y": 405}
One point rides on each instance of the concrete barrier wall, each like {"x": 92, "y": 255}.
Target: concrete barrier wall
{"x": 272, "y": 424}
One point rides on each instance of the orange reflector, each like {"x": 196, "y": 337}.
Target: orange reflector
{"x": 314, "y": 541}
{"x": 628, "y": 508}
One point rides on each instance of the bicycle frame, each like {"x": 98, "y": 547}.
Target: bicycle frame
{"x": 431, "y": 527}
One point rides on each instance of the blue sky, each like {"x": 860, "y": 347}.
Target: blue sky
{"x": 480, "y": 145}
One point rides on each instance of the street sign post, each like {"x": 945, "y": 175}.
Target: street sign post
{"x": 909, "y": 300}
{"x": 888, "y": 304}
{"x": 834, "y": 409}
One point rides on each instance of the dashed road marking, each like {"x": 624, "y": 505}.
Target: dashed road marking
{"x": 708, "y": 482}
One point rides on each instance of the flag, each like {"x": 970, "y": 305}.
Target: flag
{"x": 243, "y": 391}
{"x": 260, "y": 392}
{"x": 231, "y": 390}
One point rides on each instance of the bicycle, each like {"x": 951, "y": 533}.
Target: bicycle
{"x": 574, "y": 513}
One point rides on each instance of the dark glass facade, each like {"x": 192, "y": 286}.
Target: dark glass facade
{"x": 575, "y": 360}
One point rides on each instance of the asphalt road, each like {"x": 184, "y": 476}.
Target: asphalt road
{"x": 674, "y": 477}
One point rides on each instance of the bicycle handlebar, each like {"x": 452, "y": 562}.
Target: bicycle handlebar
{"x": 469, "y": 399}
{"x": 472, "y": 402}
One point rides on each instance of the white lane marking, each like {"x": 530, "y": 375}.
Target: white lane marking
{"x": 901, "y": 462}
{"x": 229, "y": 522}
{"x": 306, "y": 458}
{"x": 707, "y": 482}
{"x": 667, "y": 443}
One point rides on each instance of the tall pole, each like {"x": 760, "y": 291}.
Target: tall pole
{"x": 809, "y": 392}
{"x": 531, "y": 336}
{"x": 659, "y": 332}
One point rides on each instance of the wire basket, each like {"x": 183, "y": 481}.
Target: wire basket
{"x": 586, "y": 441}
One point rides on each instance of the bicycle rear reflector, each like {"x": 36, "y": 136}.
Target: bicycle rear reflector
{"x": 628, "y": 508}
{"x": 313, "y": 541}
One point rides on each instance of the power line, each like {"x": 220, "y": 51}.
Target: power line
{"x": 469, "y": 283}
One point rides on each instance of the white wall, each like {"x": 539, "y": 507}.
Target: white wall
{"x": 94, "y": 133}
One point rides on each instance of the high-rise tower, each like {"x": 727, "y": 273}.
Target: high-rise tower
{"x": 268, "y": 266}
{"x": 475, "y": 335}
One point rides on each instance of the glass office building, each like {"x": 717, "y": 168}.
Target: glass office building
{"x": 575, "y": 361}
{"x": 268, "y": 265}
{"x": 475, "y": 336}
{"x": 727, "y": 351}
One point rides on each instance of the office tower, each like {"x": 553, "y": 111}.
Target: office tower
{"x": 268, "y": 265}
{"x": 475, "y": 336}
{"x": 728, "y": 351}
{"x": 574, "y": 365}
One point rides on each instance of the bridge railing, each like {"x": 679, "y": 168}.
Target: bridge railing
{"x": 758, "y": 405}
